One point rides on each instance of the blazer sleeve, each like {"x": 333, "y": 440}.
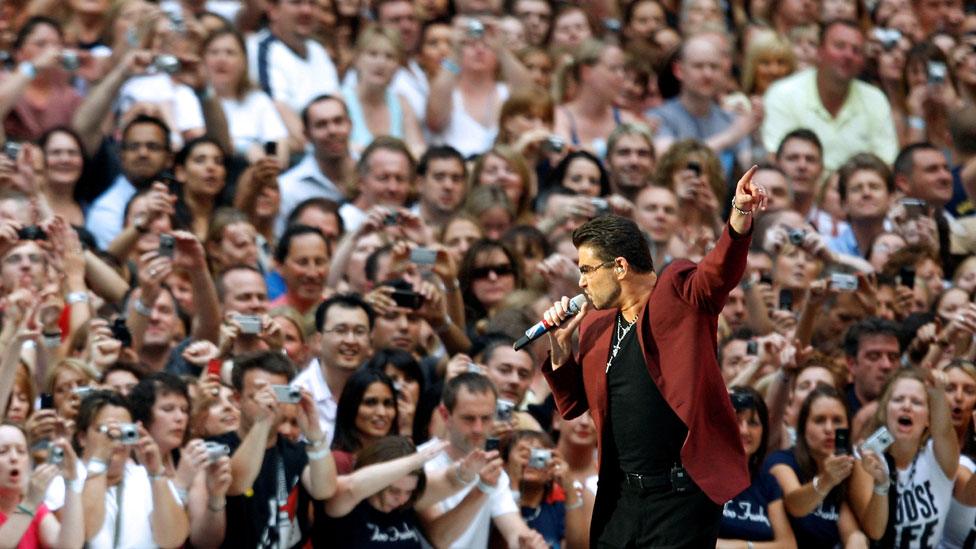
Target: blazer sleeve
{"x": 567, "y": 387}
{"x": 707, "y": 286}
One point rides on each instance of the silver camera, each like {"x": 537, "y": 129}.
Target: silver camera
{"x": 879, "y": 441}
{"x": 70, "y": 61}
{"x": 55, "y": 456}
{"x": 796, "y": 236}
{"x": 216, "y": 450}
{"x": 475, "y": 29}
{"x": 250, "y": 324}
{"x": 555, "y": 143}
{"x": 540, "y": 458}
{"x": 11, "y": 149}
{"x": 601, "y": 205}
{"x": 287, "y": 394}
{"x": 843, "y": 282}
{"x": 128, "y": 433}
{"x": 504, "y": 409}
{"x": 166, "y": 63}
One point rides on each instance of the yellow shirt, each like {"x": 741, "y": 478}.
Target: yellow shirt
{"x": 863, "y": 124}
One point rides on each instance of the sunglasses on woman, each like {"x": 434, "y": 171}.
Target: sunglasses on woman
{"x": 499, "y": 270}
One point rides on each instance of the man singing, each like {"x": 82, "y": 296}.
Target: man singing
{"x": 670, "y": 453}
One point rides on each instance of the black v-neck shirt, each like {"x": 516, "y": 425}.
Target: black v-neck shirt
{"x": 645, "y": 435}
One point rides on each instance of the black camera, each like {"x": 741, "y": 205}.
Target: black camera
{"x": 796, "y": 236}
{"x": 31, "y": 232}
{"x": 121, "y": 332}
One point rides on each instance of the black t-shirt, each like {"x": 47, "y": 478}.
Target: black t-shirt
{"x": 250, "y": 520}
{"x": 365, "y": 527}
{"x": 645, "y": 433}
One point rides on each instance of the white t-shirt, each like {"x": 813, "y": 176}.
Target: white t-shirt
{"x": 924, "y": 493}
{"x": 326, "y": 405}
{"x": 253, "y": 120}
{"x": 286, "y": 76}
{"x": 137, "y": 506}
{"x": 499, "y": 503}
{"x": 961, "y": 520}
{"x": 177, "y": 101}
{"x": 466, "y": 134}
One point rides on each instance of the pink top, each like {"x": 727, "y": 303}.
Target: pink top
{"x": 32, "y": 537}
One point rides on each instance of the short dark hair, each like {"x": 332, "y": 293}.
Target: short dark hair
{"x": 440, "y": 152}
{"x": 863, "y": 162}
{"x": 868, "y": 327}
{"x": 91, "y": 405}
{"x": 319, "y": 99}
{"x": 270, "y": 361}
{"x": 613, "y": 236}
{"x": 905, "y": 161}
{"x": 802, "y": 134}
{"x": 497, "y": 343}
{"x": 744, "y": 399}
{"x": 146, "y": 119}
{"x": 121, "y": 367}
{"x": 839, "y": 22}
{"x": 293, "y": 231}
{"x": 320, "y": 202}
{"x": 345, "y": 301}
{"x": 472, "y": 382}
{"x": 144, "y": 394}
{"x": 28, "y": 27}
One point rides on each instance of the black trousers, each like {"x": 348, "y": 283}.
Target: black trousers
{"x": 629, "y": 517}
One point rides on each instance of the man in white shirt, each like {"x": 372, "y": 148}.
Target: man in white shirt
{"x": 145, "y": 152}
{"x": 386, "y": 170}
{"x": 288, "y": 65}
{"x": 344, "y": 323}
{"x": 468, "y": 409}
{"x": 327, "y": 166}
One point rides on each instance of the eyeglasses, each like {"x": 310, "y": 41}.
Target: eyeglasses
{"x": 150, "y": 146}
{"x": 484, "y": 272}
{"x": 342, "y": 331}
{"x": 587, "y": 270}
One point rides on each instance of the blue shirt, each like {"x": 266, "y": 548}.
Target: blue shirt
{"x": 549, "y": 519}
{"x": 746, "y": 517}
{"x": 818, "y": 529}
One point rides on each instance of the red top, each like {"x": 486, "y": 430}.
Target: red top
{"x": 677, "y": 333}
{"x": 32, "y": 537}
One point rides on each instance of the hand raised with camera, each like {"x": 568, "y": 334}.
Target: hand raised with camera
{"x": 875, "y": 466}
{"x": 193, "y": 459}
{"x": 219, "y": 477}
{"x": 308, "y": 418}
{"x": 188, "y": 252}
{"x": 200, "y": 353}
{"x": 147, "y": 452}
{"x": 40, "y": 479}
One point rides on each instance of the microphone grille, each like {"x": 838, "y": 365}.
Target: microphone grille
{"x": 576, "y": 303}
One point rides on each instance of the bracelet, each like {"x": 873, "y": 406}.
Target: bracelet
{"x": 916, "y": 122}
{"x": 486, "y": 489}
{"x": 78, "y": 297}
{"x": 577, "y": 504}
{"x": 316, "y": 454}
{"x": 216, "y": 508}
{"x": 740, "y": 210}
{"x": 24, "y": 510}
{"x": 156, "y": 476}
{"x": 452, "y": 287}
{"x": 77, "y": 485}
{"x": 183, "y": 496}
{"x": 315, "y": 443}
{"x": 96, "y": 467}
{"x": 816, "y": 486}
{"x": 457, "y": 474}
{"x": 141, "y": 308}
{"x": 882, "y": 489}
{"x": 749, "y": 545}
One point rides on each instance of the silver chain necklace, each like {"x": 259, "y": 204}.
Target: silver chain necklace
{"x": 621, "y": 334}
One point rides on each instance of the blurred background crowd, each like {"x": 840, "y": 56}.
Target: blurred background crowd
{"x": 262, "y": 262}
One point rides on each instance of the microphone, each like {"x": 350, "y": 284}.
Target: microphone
{"x": 541, "y": 328}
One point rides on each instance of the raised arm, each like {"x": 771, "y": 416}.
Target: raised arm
{"x": 362, "y": 483}
{"x": 97, "y": 106}
{"x": 944, "y": 441}
{"x": 245, "y": 464}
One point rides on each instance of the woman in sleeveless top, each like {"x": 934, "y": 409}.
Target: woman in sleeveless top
{"x": 374, "y": 108}
{"x": 922, "y": 462}
{"x": 588, "y": 119}
{"x": 466, "y": 96}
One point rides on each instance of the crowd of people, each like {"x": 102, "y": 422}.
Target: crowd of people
{"x": 262, "y": 262}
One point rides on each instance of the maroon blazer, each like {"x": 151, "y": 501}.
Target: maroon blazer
{"x": 677, "y": 332}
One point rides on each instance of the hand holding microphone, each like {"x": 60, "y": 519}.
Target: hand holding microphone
{"x": 560, "y": 331}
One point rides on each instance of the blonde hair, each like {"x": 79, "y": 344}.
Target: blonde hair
{"x": 765, "y": 44}
{"x": 371, "y": 34}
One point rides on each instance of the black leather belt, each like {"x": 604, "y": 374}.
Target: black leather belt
{"x": 677, "y": 479}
